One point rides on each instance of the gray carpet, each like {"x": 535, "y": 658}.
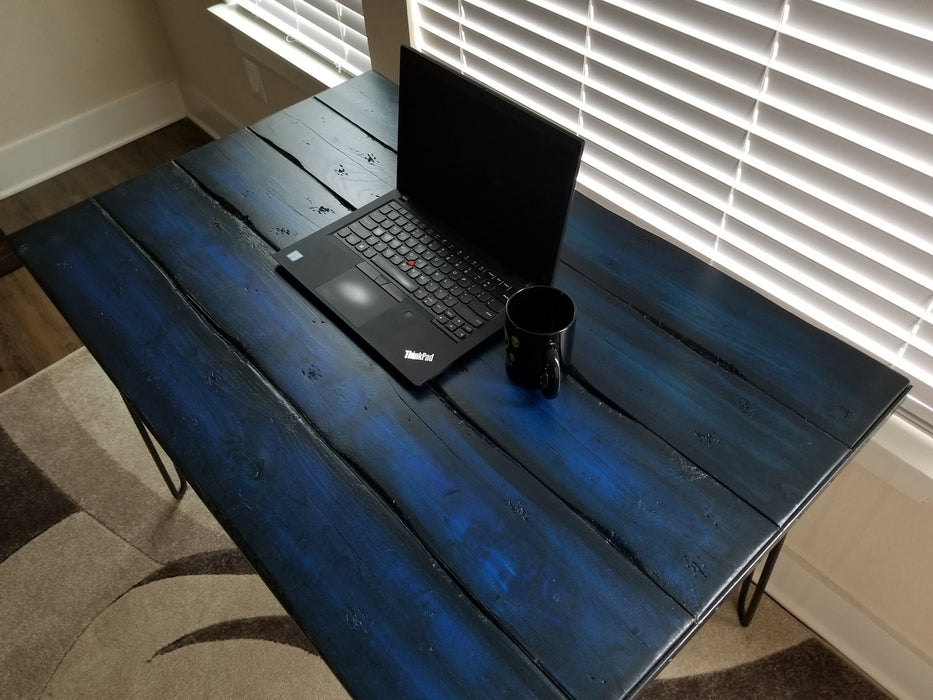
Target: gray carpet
{"x": 109, "y": 589}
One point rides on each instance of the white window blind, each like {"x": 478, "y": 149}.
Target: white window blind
{"x": 789, "y": 142}
{"x": 333, "y": 30}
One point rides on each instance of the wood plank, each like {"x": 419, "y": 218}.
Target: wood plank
{"x": 241, "y": 169}
{"x": 681, "y": 527}
{"x": 770, "y": 456}
{"x": 352, "y": 164}
{"x": 33, "y": 334}
{"x": 473, "y": 507}
{"x": 9, "y": 261}
{"x": 385, "y": 616}
{"x": 831, "y": 384}
{"x": 369, "y": 101}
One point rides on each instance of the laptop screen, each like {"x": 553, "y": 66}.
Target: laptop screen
{"x": 494, "y": 171}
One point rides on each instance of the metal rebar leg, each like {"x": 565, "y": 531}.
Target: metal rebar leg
{"x": 746, "y": 613}
{"x": 177, "y": 491}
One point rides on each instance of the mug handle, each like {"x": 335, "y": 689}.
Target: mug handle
{"x": 551, "y": 375}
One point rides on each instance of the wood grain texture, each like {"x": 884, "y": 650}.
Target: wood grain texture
{"x": 825, "y": 380}
{"x": 488, "y": 542}
{"x": 370, "y": 102}
{"x": 476, "y": 509}
{"x": 9, "y": 261}
{"x": 33, "y": 333}
{"x": 765, "y": 453}
{"x": 263, "y": 187}
{"x": 339, "y": 559}
{"x": 352, "y": 164}
{"x": 675, "y": 522}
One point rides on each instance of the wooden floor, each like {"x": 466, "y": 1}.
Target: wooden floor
{"x": 32, "y": 333}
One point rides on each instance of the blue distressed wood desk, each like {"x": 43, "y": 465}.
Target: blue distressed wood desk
{"x": 469, "y": 539}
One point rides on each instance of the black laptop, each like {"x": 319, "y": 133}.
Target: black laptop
{"x": 484, "y": 185}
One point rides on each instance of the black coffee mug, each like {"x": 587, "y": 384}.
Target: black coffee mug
{"x": 539, "y": 323}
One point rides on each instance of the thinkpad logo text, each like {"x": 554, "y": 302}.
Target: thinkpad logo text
{"x": 422, "y": 356}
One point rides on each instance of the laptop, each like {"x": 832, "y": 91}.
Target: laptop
{"x": 421, "y": 275}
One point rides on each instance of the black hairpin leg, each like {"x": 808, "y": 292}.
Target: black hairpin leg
{"x": 746, "y": 613}
{"x": 177, "y": 491}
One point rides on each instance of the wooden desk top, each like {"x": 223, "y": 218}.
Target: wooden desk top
{"x": 467, "y": 539}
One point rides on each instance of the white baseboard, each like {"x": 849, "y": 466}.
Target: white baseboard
{"x": 890, "y": 662}
{"x": 62, "y": 146}
{"x": 209, "y": 115}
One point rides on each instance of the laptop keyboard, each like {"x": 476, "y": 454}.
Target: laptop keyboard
{"x": 454, "y": 286}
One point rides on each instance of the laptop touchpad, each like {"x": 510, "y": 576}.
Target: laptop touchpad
{"x": 356, "y": 297}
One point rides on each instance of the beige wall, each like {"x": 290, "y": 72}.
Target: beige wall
{"x": 387, "y": 29}
{"x": 866, "y": 540}
{"x": 78, "y": 79}
{"x": 60, "y": 58}
{"x": 874, "y": 541}
{"x": 211, "y": 72}
{"x": 212, "y": 75}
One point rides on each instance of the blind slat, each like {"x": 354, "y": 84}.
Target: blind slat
{"x": 884, "y": 170}
{"x": 765, "y": 211}
{"x": 836, "y": 283}
{"x": 806, "y": 295}
{"x": 861, "y": 41}
{"x": 610, "y": 58}
{"x": 333, "y": 30}
{"x": 626, "y": 187}
{"x": 889, "y": 97}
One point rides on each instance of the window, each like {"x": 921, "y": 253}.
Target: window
{"x": 333, "y": 32}
{"x": 789, "y": 142}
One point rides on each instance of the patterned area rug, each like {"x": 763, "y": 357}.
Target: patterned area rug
{"x": 111, "y": 589}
